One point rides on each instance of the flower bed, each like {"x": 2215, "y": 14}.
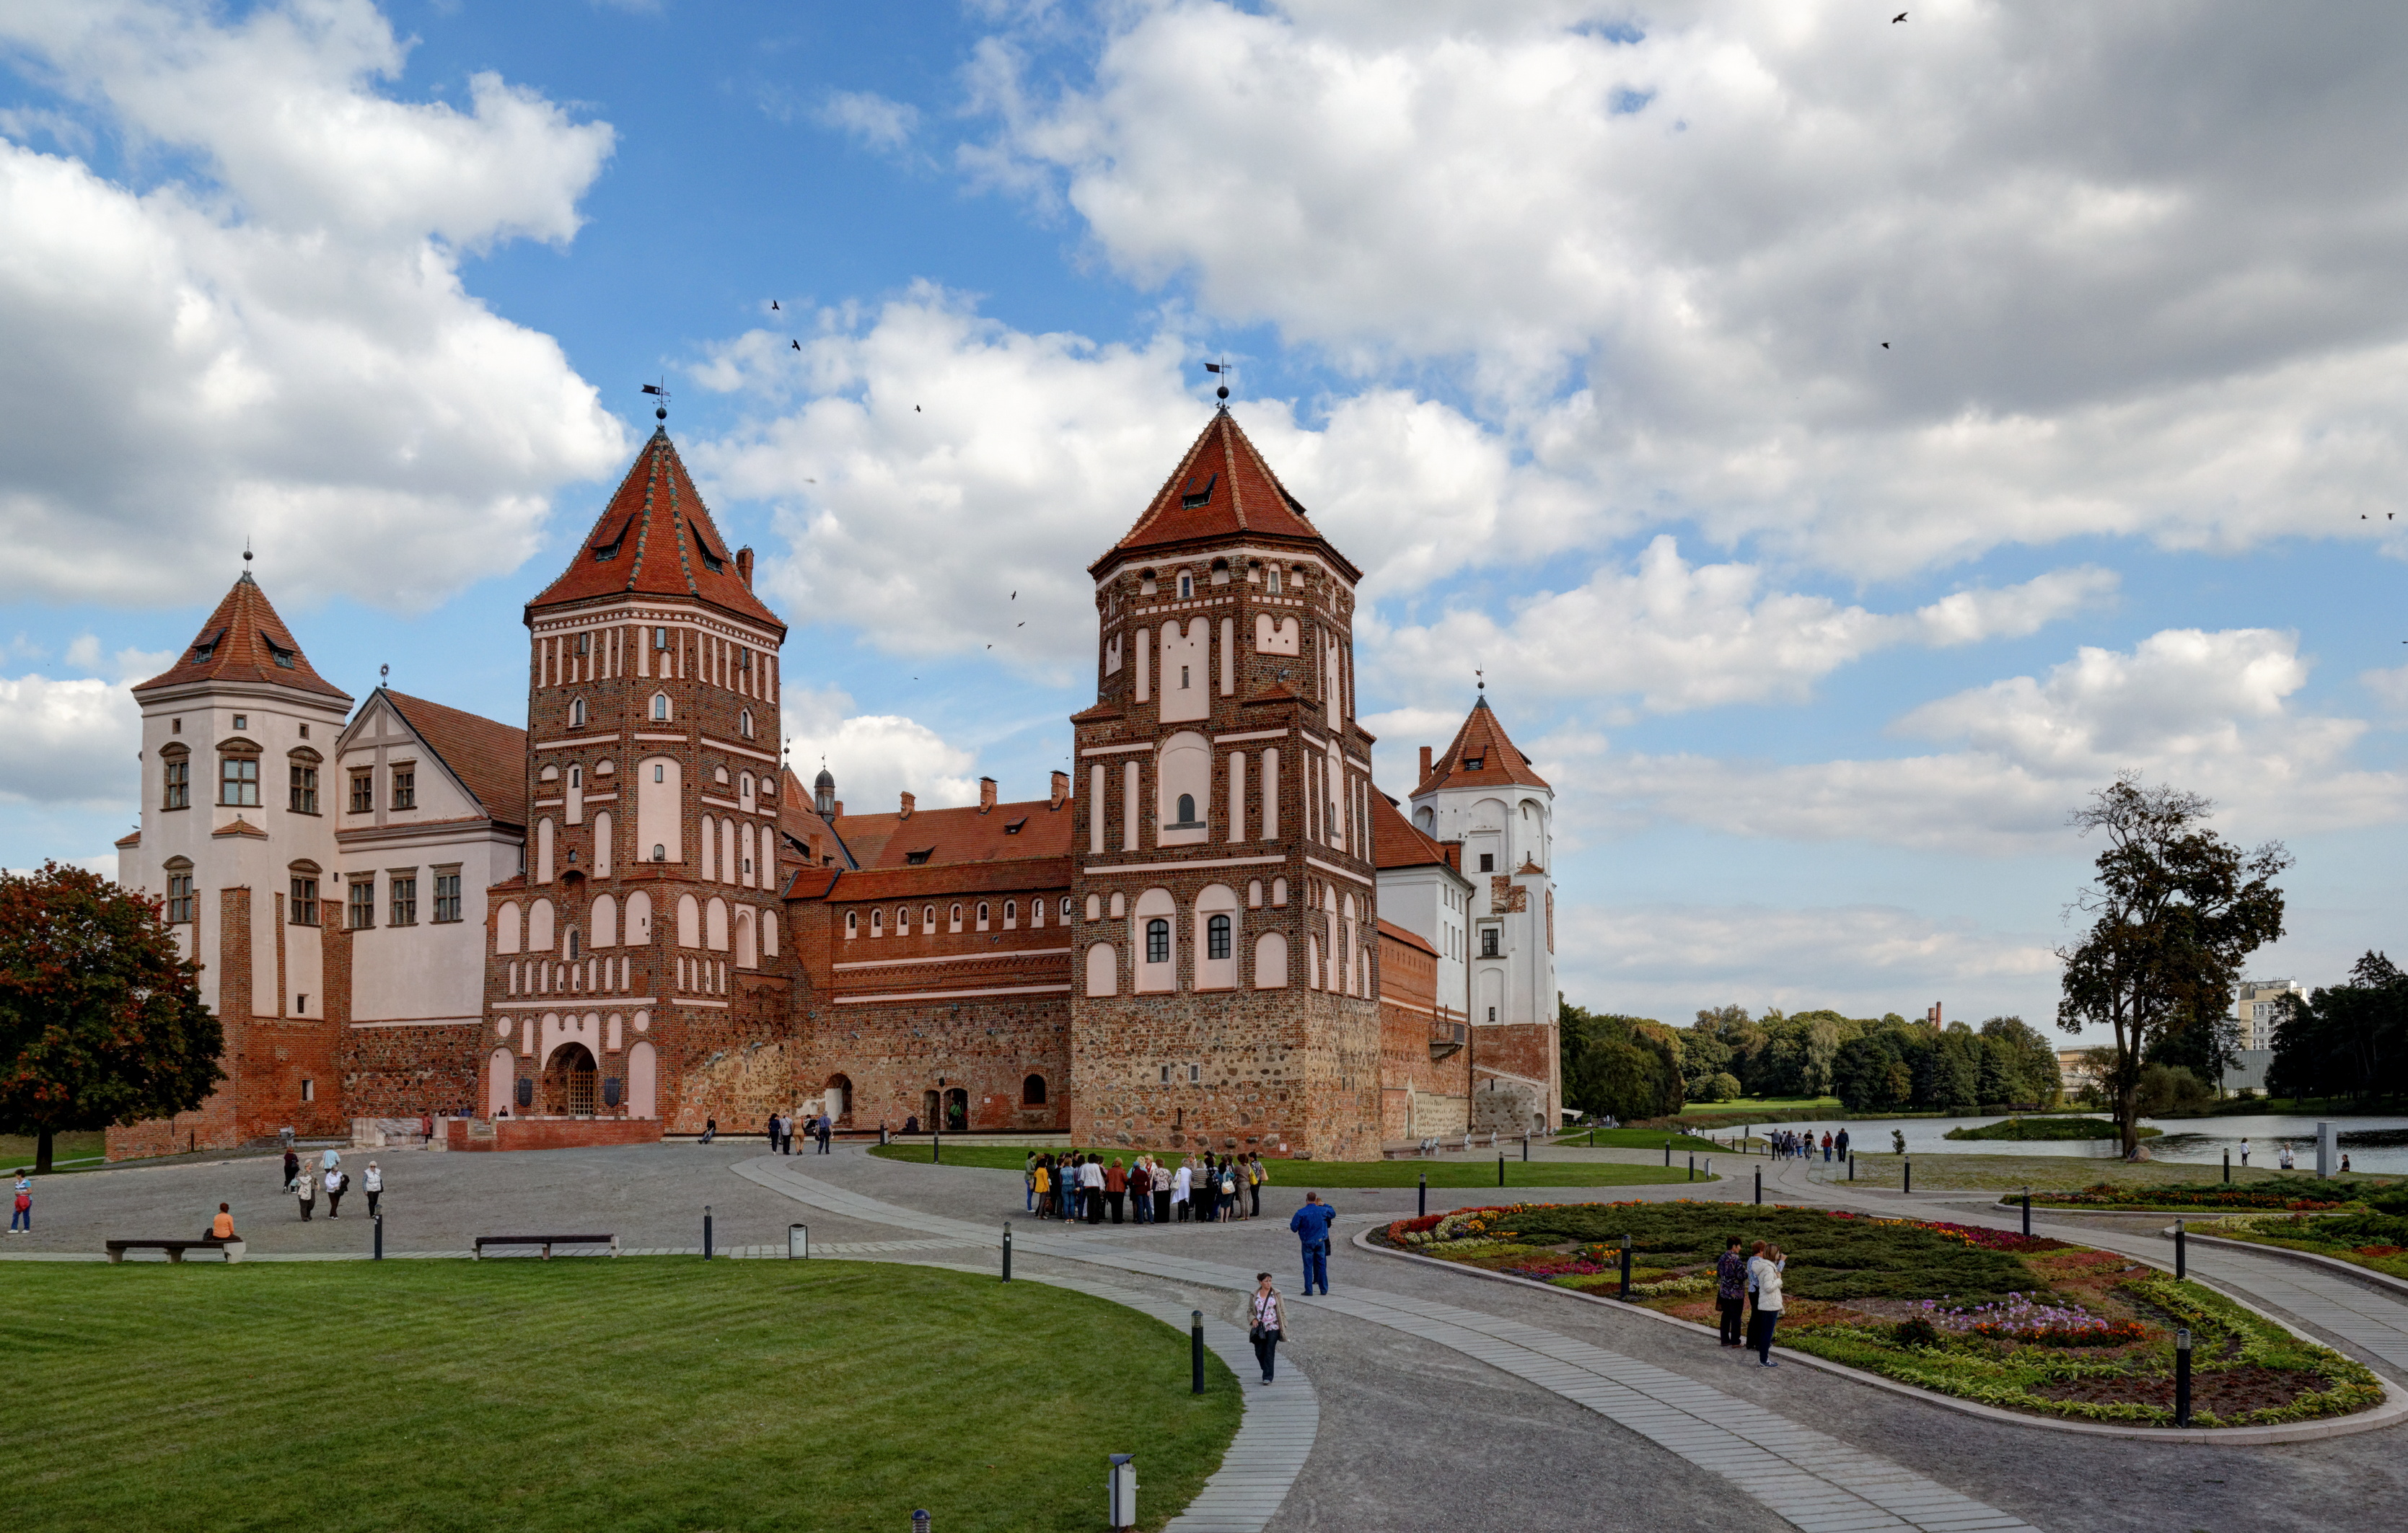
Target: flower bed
{"x": 2294, "y": 1195}
{"x": 2367, "y": 1237}
{"x": 2037, "y": 1326}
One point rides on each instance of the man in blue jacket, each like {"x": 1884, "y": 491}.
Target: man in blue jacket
{"x": 1312, "y": 1225}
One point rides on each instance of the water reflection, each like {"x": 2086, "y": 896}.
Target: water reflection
{"x": 2372, "y": 1143}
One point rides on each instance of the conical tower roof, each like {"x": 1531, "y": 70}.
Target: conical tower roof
{"x": 244, "y": 640}
{"x": 1221, "y": 489}
{"x": 1482, "y": 739}
{"x": 655, "y": 537}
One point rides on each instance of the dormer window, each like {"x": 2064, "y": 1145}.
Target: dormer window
{"x": 919, "y": 859}
{"x": 710, "y": 561}
{"x": 206, "y": 647}
{"x": 1013, "y": 828}
{"x": 278, "y": 653}
{"x": 1473, "y": 763}
{"x": 610, "y": 549}
{"x": 1196, "y": 495}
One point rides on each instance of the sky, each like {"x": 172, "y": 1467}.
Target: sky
{"x": 1844, "y": 445}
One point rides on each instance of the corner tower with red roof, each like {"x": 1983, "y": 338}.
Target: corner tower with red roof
{"x": 1225, "y": 987}
{"x": 1484, "y": 794}
{"x": 635, "y": 979}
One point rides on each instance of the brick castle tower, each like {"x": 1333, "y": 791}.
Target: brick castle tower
{"x": 1224, "y": 988}
{"x": 636, "y": 971}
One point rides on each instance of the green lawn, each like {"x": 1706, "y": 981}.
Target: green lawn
{"x": 2036, "y": 1127}
{"x": 1361, "y": 1173}
{"x": 636, "y": 1394}
{"x": 1952, "y": 1172}
{"x": 17, "y": 1150}
{"x": 1637, "y": 1138}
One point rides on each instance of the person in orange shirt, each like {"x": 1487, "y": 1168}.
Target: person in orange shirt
{"x": 221, "y": 1227}
{"x": 1115, "y": 1185}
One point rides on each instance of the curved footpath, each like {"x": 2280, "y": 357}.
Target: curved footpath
{"x": 1812, "y": 1480}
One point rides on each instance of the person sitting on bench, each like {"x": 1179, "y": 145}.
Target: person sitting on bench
{"x": 221, "y": 1227}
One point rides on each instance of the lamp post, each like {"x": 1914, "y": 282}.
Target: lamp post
{"x": 1196, "y": 1351}
{"x": 1626, "y": 1269}
{"x": 1007, "y": 1251}
{"x": 2181, "y": 1377}
{"x": 706, "y": 1232}
{"x": 2182, "y": 1253}
{"x": 2027, "y": 1214}
{"x": 1421, "y": 1198}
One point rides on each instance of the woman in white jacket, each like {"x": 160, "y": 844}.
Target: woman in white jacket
{"x": 1181, "y": 1185}
{"x": 1763, "y": 1275}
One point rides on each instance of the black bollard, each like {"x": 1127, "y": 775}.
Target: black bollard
{"x": 1421, "y": 1200}
{"x": 2027, "y": 1214}
{"x": 936, "y": 1149}
{"x": 1759, "y": 1184}
{"x": 379, "y": 1235}
{"x": 2182, "y": 1253}
{"x": 2227, "y": 1165}
{"x": 882, "y": 1136}
{"x": 2181, "y": 1377}
{"x": 1906, "y": 1176}
{"x": 1196, "y": 1351}
{"x": 1626, "y": 1269}
{"x": 1007, "y": 1251}
{"x": 1592, "y": 1139}
{"x": 1668, "y": 1153}
{"x": 1851, "y": 1166}
{"x": 1500, "y": 1170}
{"x": 1692, "y": 1168}
{"x": 1526, "y": 1149}
{"x": 706, "y": 1232}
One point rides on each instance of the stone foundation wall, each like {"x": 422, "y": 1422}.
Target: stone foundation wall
{"x": 549, "y": 1133}
{"x": 404, "y": 1072}
{"x": 895, "y": 1055}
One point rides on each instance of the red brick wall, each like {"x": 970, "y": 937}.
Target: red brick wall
{"x": 553, "y": 1133}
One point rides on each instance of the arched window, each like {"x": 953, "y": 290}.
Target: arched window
{"x": 576, "y": 720}
{"x": 982, "y": 915}
{"x": 660, "y": 706}
{"x": 574, "y": 947}
{"x": 928, "y": 918}
{"x": 902, "y": 920}
{"x": 956, "y": 920}
{"x": 1272, "y": 581}
{"x": 1065, "y": 907}
{"x": 852, "y": 922}
{"x": 1187, "y": 809}
{"x": 1011, "y": 912}
{"x": 660, "y": 852}
{"x": 1158, "y": 942}
{"x": 1032, "y": 1092}
{"x": 744, "y": 723}
{"x": 1186, "y": 585}
{"x": 1216, "y": 936}
{"x": 877, "y": 922}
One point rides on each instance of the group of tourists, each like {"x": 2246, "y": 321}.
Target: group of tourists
{"x": 303, "y": 1181}
{"x": 820, "y": 1130}
{"x": 1201, "y": 1188}
{"x": 1788, "y": 1144}
{"x": 1752, "y": 1281}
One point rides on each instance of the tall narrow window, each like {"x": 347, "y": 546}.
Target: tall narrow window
{"x": 305, "y": 788}
{"x": 363, "y": 792}
{"x": 1186, "y": 589}
{"x": 404, "y": 787}
{"x": 239, "y": 780}
{"x": 180, "y": 898}
{"x": 304, "y": 902}
{"x": 177, "y": 783}
{"x": 1187, "y": 809}
{"x": 1272, "y": 581}
{"x": 1488, "y": 941}
{"x": 363, "y": 909}
{"x": 660, "y": 705}
{"x": 1217, "y": 938}
{"x": 447, "y": 896}
{"x": 1158, "y": 942}
{"x": 404, "y": 889}
{"x": 660, "y": 639}
{"x": 744, "y": 723}
{"x": 577, "y": 714}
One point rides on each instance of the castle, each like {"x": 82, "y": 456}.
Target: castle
{"x": 628, "y": 918}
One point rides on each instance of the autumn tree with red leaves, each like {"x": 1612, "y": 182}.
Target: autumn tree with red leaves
{"x": 101, "y": 1019}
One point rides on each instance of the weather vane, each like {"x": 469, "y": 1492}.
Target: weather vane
{"x": 1483, "y": 681}
{"x": 661, "y": 391}
{"x": 1226, "y": 372}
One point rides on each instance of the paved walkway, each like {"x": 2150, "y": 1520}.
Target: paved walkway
{"x": 2361, "y": 1318}
{"x": 1816, "y": 1482}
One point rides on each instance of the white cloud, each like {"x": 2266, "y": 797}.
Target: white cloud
{"x": 875, "y": 757}
{"x": 2208, "y": 711}
{"x": 926, "y": 462}
{"x": 278, "y": 344}
{"x": 1667, "y": 960}
{"x": 878, "y": 121}
{"x": 2135, "y": 263}
{"x": 67, "y": 741}
{"x": 1682, "y": 636}
{"x": 2390, "y": 689}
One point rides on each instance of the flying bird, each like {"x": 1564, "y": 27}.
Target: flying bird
{"x": 1016, "y": 595}
{"x": 1899, "y": 17}
{"x": 1885, "y": 346}
{"x": 915, "y": 409}
{"x": 773, "y": 303}
{"x": 1020, "y": 625}
{"x": 795, "y": 344}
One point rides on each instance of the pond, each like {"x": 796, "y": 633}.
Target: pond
{"x": 2377, "y": 1144}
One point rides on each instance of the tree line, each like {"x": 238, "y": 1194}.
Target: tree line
{"x": 2347, "y": 1041}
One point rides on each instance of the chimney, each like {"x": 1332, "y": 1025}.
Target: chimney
{"x": 1426, "y": 756}
{"x": 986, "y": 794}
{"x": 1453, "y": 854}
{"x": 1933, "y": 1016}
{"x": 744, "y": 565}
{"x": 907, "y": 805}
{"x": 1061, "y": 788}
{"x": 839, "y": 808}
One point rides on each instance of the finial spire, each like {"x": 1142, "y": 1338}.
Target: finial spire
{"x": 1225, "y": 371}
{"x": 660, "y": 390}
{"x": 384, "y": 674}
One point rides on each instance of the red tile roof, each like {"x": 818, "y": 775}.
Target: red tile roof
{"x": 1222, "y": 489}
{"x": 244, "y": 640}
{"x": 1396, "y": 841}
{"x": 1395, "y": 933}
{"x": 958, "y": 836}
{"x": 1482, "y": 738}
{"x": 655, "y": 537}
{"x": 936, "y": 880}
{"x": 490, "y": 759}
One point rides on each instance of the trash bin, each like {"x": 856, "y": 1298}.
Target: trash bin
{"x": 1123, "y": 1484}
{"x": 798, "y": 1242}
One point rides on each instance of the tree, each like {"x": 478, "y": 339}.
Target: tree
{"x": 1627, "y": 1067}
{"x": 2347, "y": 1039}
{"x": 101, "y": 1019}
{"x": 2024, "y": 1062}
{"x": 2175, "y": 912}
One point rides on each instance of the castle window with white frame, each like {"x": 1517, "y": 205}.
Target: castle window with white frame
{"x": 576, "y": 713}
{"x": 1272, "y": 581}
{"x": 238, "y": 778}
{"x": 744, "y": 724}
{"x": 362, "y": 913}
{"x": 175, "y": 778}
{"x": 1186, "y": 589}
{"x": 180, "y": 902}
{"x": 661, "y": 704}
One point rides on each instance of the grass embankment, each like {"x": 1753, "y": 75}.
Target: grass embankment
{"x": 2270, "y": 1192}
{"x": 2035, "y": 1325}
{"x": 2048, "y": 1128}
{"x": 17, "y": 1150}
{"x": 1632, "y": 1138}
{"x": 1359, "y": 1173}
{"x": 1741, "y": 1111}
{"x": 636, "y": 1394}
{"x": 2374, "y": 1238}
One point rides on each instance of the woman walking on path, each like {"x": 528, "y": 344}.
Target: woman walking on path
{"x": 336, "y": 1184}
{"x": 1766, "y": 1271}
{"x": 21, "y": 1212}
{"x": 1265, "y": 1323}
{"x": 291, "y": 1169}
{"x": 305, "y": 1187}
{"x": 372, "y": 1183}
{"x": 1730, "y": 1292}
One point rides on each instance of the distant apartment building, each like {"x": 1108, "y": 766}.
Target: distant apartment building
{"x": 2257, "y": 1009}
{"x": 2073, "y": 1070}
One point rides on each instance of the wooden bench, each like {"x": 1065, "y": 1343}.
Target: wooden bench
{"x": 232, "y": 1250}
{"x": 545, "y": 1241}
